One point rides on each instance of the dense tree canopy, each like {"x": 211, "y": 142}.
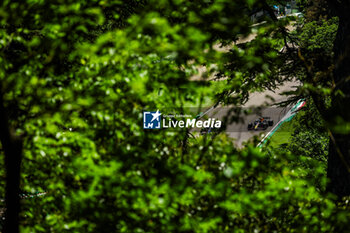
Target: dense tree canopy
{"x": 75, "y": 77}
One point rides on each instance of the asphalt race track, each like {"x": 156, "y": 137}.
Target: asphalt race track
{"x": 259, "y": 105}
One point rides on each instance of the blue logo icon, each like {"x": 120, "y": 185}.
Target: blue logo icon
{"x": 151, "y": 120}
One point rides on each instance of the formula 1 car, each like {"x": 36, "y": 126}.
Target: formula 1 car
{"x": 260, "y": 123}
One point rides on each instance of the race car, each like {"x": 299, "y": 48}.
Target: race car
{"x": 260, "y": 123}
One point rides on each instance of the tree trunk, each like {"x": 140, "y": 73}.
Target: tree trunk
{"x": 12, "y": 147}
{"x": 339, "y": 148}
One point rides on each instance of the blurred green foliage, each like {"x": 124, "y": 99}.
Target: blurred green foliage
{"x": 310, "y": 137}
{"x": 76, "y": 76}
{"x": 319, "y": 35}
